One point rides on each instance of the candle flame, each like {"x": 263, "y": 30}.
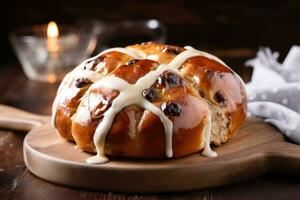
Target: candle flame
{"x": 52, "y": 30}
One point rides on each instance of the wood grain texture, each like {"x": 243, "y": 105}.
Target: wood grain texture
{"x": 16, "y": 119}
{"x": 257, "y": 148}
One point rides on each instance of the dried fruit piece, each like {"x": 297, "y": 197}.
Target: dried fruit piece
{"x": 81, "y": 82}
{"x": 171, "y": 108}
{"x": 149, "y": 94}
{"x": 219, "y": 97}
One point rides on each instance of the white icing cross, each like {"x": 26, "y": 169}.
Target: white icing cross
{"x": 132, "y": 94}
{"x": 80, "y": 72}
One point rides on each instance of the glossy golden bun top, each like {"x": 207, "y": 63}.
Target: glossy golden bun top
{"x": 203, "y": 98}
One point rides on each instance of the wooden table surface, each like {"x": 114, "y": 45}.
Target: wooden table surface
{"x": 16, "y": 182}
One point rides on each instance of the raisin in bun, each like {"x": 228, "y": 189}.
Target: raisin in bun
{"x": 150, "y": 100}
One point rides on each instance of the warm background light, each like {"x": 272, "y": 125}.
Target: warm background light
{"x": 52, "y": 30}
{"x": 52, "y": 38}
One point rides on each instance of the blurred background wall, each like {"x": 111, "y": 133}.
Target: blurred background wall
{"x": 242, "y": 26}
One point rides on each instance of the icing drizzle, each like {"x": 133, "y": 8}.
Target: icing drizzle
{"x": 132, "y": 94}
{"x": 80, "y": 72}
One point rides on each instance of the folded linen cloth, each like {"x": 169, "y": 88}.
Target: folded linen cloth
{"x": 274, "y": 90}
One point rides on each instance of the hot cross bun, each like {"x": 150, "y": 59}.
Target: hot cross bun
{"x": 150, "y": 100}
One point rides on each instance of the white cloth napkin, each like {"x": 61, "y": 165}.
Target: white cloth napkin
{"x": 274, "y": 90}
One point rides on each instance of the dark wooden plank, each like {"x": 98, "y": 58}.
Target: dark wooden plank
{"x": 18, "y": 91}
{"x": 11, "y": 161}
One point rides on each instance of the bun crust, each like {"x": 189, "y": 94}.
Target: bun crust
{"x": 205, "y": 96}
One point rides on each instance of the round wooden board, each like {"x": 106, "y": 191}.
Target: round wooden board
{"x": 257, "y": 148}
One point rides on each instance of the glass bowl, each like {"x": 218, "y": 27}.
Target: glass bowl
{"x": 40, "y": 61}
{"x": 128, "y": 32}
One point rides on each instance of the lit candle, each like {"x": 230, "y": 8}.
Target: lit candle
{"x": 52, "y": 37}
{"x": 53, "y": 49}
